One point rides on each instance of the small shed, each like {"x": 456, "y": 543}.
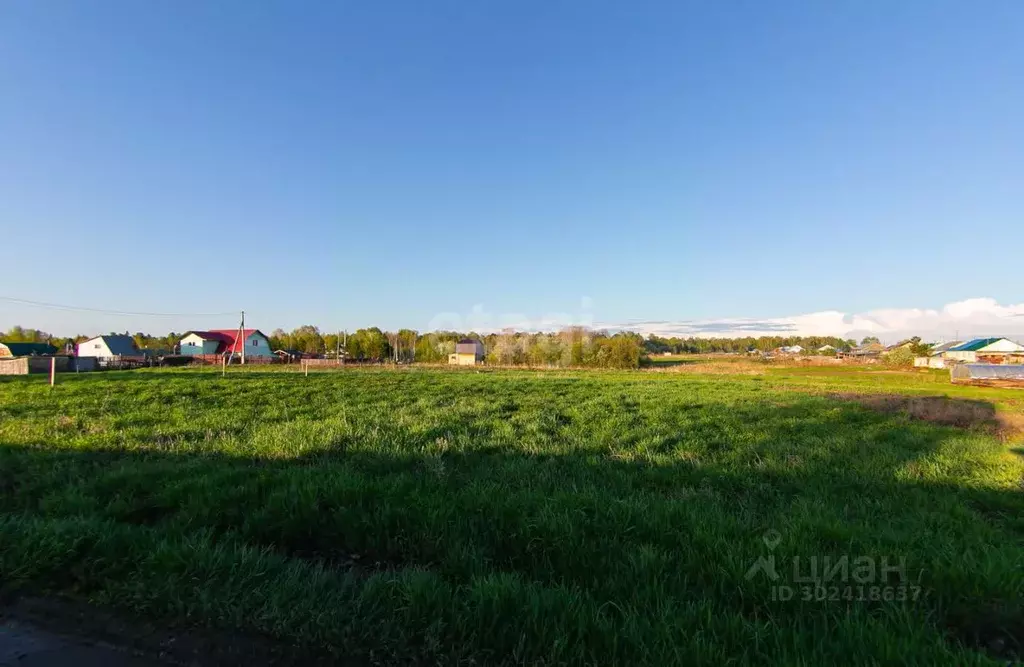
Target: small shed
{"x": 291, "y": 355}
{"x": 468, "y": 352}
{"x": 12, "y": 350}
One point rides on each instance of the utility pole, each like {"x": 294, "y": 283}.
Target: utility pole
{"x": 241, "y": 336}
{"x": 337, "y": 351}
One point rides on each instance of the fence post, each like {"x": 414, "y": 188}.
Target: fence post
{"x": 53, "y": 370}
{"x": 223, "y": 367}
{"x": 305, "y": 367}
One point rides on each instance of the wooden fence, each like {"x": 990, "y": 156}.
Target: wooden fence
{"x": 333, "y": 363}
{"x": 27, "y": 365}
{"x": 236, "y": 360}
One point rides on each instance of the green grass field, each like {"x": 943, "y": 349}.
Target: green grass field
{"x": 510, "y": 517}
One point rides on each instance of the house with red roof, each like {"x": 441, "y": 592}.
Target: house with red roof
{"x": 226, "y": 342}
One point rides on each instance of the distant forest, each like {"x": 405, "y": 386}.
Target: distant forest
{"x": 656, "y": 344}
{"x": 575, "y": 346}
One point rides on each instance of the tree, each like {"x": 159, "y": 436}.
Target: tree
{"x": 621, "y": 351}
{"x": 434, "y": 348}
{"x": 406, "y": 341}
{"x": 18, "y": 334}
{"x": 901, "y": 357}
{"x": 870, "y": 340}
{"x": 307, "y": 339}
{"x": 369, "y": 345}
{"x": 279, "y": 340}
{"x": 331, "y": 341}
{"x": 921, "y": 349}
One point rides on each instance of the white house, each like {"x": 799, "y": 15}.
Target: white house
{"x": 108, "y": 347}
{"x": 986, "y": 349}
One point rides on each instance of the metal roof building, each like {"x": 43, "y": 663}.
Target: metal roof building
{"x": 942, "y": 348}
{"x": 26, "y": 349}
{"x": 980, "y": 349}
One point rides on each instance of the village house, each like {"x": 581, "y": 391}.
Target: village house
{"x": 940, "y": 349}
{"x": 108, "y": 347}
{"x": 988, "y": 350}
{"x": 936, "y": 355}
{"x": 867, "y": 352}
{"x": 226, "y": 342}
{"x": 902, "y": 345}
{"x": 468, "y": 352}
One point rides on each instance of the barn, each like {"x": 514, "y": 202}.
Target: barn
{"x": 226, "y": 341}
{"x": 468, "y": 352}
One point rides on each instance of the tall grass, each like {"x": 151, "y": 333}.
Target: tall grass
{"x": 514, "y": 517}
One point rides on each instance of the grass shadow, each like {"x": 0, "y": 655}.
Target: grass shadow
{"x": 618, "y": 502}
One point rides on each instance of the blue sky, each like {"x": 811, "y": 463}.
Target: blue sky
{"x": 351, "y": 164}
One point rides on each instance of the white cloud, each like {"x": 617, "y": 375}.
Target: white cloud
{"x": 968, "y": 318}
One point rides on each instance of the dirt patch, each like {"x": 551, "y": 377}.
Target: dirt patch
{"x": 958, "y": 412}
{"x": 62, "y": 631}
{"x": 998, "y": 384}
{"x": 714, "y": 368}
{"x": 995, "y": 631}
{"x": 28, "y": 646}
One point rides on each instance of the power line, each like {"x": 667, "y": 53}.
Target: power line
{"x": 59, "y": 306}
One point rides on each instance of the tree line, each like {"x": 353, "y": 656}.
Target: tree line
{"x": 575, "y": 346}
{"x": 18, "y": 334}
{"x": 571, "y": 347}
{"x": 693, "y": 345}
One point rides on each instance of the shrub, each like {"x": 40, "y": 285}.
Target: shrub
{"x": 900, "y": 358}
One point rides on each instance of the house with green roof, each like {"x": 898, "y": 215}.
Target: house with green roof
{"x": 992, "y": 350}
{"x": 9, "y": 350}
